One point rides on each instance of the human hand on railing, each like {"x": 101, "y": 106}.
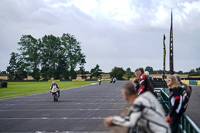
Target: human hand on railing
{"x": 168, "y": 119}
{"x": 108, "y": 121}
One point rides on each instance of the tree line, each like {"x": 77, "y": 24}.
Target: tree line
{"x": 192, "y": 72}
{"x": 58, "y": 57}
{"x": 46, "y": 57}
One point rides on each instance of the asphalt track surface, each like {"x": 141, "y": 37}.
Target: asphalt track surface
{"x": 80, "y": 109}
{"x": 193, "y": 109}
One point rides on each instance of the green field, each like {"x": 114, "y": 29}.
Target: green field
{"x": 27, "y": 88}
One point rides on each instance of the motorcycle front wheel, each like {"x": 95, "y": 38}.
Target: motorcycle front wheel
{"x": 55, "y": 97}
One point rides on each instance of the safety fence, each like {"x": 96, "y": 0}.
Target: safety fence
{"x": 191, "y": 82}
{"x": 159, "y": 83}
{"x": 186, "y": 125}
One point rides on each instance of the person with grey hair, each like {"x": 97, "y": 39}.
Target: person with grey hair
{"x": 146, "y": 112}
{"x": 152, "y": 83}
{"x": 149, "y": 77}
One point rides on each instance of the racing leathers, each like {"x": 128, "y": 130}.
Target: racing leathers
{"x": 147, "y": 113}
{"x": 175, "y": 108}
{"x": 56, "y": 85}
{"x": 175, "y": 101}
{"x": 145, "y": 85}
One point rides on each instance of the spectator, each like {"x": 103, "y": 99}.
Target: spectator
{"x": 146, "y": 112}
{"x": 186, "y": 93}
{"x": 142, "y": 70}
{"x": 149, "y": 77}
{"x": 145, "y": 84}
{"x": 185, "y": 87}
{"x": 151, "y": 81}
{"x": 175, "y": 102}
{"x": 136, "y": 81}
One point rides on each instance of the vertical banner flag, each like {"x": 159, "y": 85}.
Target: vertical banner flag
{"x": 171, "y": 48}
{"x": 164, "y": 56}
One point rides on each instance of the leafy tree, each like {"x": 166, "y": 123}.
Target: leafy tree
{"x": 73, "y": 53}
{"x": 3, "y": 72}
{"x": 96, "y": 72}
{"x": 149, "y": 69}
{"x": 16, "y": 70}
{"x": 117, "y": 72}
{"x": 49, "y": 57}
{"x": 128, "y": 74}
{"x": 82, "y": 69}
{"x": 198, "y": 70}
{"x": 30, "y": 54}
{"x": 13, "y": 66}
{"x": 192, "y": 73}
{"x": 180, "y": 72}
{"x": 50, "y": 47}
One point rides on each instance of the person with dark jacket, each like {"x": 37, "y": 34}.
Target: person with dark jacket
{"x": 175, "y": 102}
{"x": 145, "y": 84}
{"x": 136, "y": 81}
{"x": 151, "y": 80}
{"x": 186, "y": 92}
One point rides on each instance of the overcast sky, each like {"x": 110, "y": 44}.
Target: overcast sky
{"x": 122, "y": 33}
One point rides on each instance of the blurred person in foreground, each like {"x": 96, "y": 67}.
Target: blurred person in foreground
{"x": 146, "y": 112}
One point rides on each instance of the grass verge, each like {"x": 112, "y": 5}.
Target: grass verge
{"x": 16, "y": 89}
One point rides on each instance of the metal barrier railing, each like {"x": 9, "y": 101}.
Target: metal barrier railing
{"x": 186, "y": 125}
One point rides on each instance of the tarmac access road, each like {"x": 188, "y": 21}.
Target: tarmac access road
{"x": 80, "y": 109}
{"x": 193, "y": 109}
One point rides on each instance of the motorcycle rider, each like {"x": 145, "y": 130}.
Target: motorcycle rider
{"x": 99, "y": 81}
{"x": 54, "y": 84}
{"x": 114, "y": 80}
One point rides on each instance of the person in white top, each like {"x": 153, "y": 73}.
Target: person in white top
{"x": 99, "y": 81}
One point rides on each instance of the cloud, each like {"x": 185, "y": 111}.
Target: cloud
{"x": 112, "y": 33}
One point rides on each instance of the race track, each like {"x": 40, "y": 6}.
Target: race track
{"x": 193, "y": 109}
{"x": 78, "y": 109}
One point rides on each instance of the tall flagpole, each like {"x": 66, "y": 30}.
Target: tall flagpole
{"x": 171, "y": 47}
{"x": 164, "y": 56}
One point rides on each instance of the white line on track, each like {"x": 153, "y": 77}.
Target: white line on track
{"x": 63, "y": 110}
{"x": 57, "y": 131}
{"x": 46, "y": 118}
{"x": 47, "y": 99}
{"x": 67, "y": 103}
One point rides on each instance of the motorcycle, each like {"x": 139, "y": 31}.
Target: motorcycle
{"x": 54, "y": 92}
